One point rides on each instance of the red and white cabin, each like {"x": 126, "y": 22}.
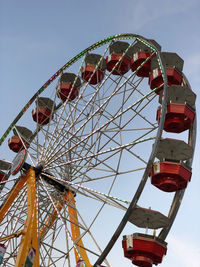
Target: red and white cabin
{"x": 43, "y": 112}
{"x": 144, "y": 250}
{"x": 94, "y": 69}
{"x": 119, "y": 60}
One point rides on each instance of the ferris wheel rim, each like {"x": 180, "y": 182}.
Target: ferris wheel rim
{"x": 65, "y": 66}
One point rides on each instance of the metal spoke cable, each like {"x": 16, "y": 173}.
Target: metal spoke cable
{"x": 80, "y": 96}
{"x": 88, "y": 189}
{"x": 48, "y": 127}
{"x": 101, "y": 153}
{"x": 103, "y": 103}
{"x": 64, "y": 224}
{"x": 120, "y": 127}
{"x": 117, "y": 116}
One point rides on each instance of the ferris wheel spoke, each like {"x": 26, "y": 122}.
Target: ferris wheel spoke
{"x": 103, "y": 164}
{"x": 112, "y": 137}
{"x": 97, "y": 103}
{"x": 60, "y": 217}
{"x": 97, "y": 110}
{"x": 60, "y": 131}
{"x": 48, "y": 126}
{"x": 122, "y": 147}
{"x": 100, "y": 198}
{"x": 6, "y": 205}
{"x": 24, "y": 145}
{"x": 6, "y": 188}
{"x": 51, "y": 248}
{"x": 126, "y": 147}
{"x": 117, "y": 170}
{"x": 44, "y": 254}
{"x": 64, "y": 255}
{"x": 121, "y": 128}
{"x": 15, "y": 215}
{"x": 97, "y": 197}
{"x": 134, "y": 83}
{"x": 92, "y": 237}
{"x": 14, "y": 224}
{"x": 11, "y": 257}
{"x": 87, "y": 150}
{"x": 104, "y": 125}
{"x": 36, "y": 132}
{"x": 115, "y": 149}
{"x": 51, "y": 261}
{"x": 52, "y": 218}
{"x": 102, "y": 114}
{"x": 93, "y": 167}
{"x": 97, "y": 194}
{"x": 79, "y": 244}
{"x": 60, "y": 116}
{"x": 56, "y": 249}
{"x": 85, "y": 90}
{"x": 133, "y": 143}
{"x": 37, "y": 147}
{"x": 151, "y": 124}
{"x": 12, "y": 243}
{"x": 111, "y": 175}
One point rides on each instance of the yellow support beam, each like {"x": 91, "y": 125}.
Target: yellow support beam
{"x": 30, "y": 232}
{"x": 11, "y": 236}
{"x": 73, "y": 217}
{"x": 13, "y": 194}
{"x": 30, "y": 237}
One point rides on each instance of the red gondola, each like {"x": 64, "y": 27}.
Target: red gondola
{"x": 43, "y": 112}
{"x": 174, "y": 77}
{"x": 41, "y": 115}
{"x": 170, "y": 176}
{"x": 137, "y": 59}
{"x": 93, "y": 72}
{"x": 174, "y": 67}
{"x": 2, "y": 176}
{"x": 92, "y": 75}
{"x": 119, "y": 60}
{"x": 68, "y": 87}
{"x": 122, "y": 67}
{"x": 142, "y": 54}
{"x": 179, "y": 117}
{"x": 144, "y": 250}
{"x": 15, "y": 144}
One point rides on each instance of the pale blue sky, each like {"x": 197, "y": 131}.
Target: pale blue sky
{"x": 38, "y": 37}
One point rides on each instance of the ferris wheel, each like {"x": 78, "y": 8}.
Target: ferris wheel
{"x": 109, "y": 142}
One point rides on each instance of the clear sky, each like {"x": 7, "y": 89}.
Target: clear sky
{"x": 38, "y": 37}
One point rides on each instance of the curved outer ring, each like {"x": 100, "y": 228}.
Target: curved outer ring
{"x": 179, "y": 195}
{"x": 146, "y": 173}
{"x": 68, "y": 64}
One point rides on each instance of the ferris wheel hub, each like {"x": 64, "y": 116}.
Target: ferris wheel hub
{"x": 39, "y": 168}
